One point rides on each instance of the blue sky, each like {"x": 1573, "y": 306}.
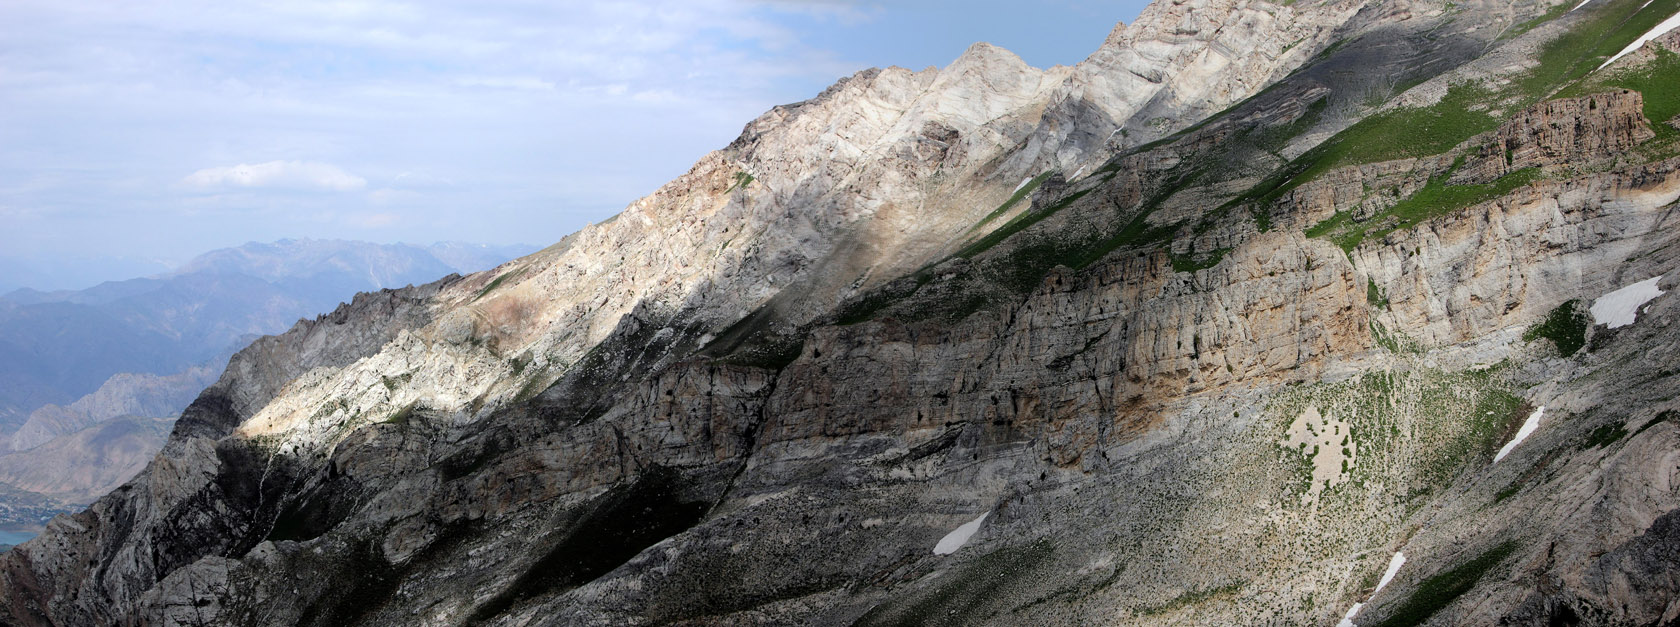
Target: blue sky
{"x": 135, "y": 135}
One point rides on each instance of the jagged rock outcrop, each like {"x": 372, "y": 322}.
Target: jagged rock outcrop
{"x": 1577, "y": 132}
{"x": 849, "y": 371}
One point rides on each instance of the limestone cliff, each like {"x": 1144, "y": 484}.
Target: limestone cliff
{"x": 1385, "y": 287}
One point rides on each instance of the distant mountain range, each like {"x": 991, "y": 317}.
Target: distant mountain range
{"x": 73, "y": 363}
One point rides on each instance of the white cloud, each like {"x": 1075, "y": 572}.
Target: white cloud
{"x": 309, "y": 175}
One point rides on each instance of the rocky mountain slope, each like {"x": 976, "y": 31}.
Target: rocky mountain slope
{"x": 56, "y": 347}
{"x": 174, "y": 334}
{"x": 1263, "y": 314}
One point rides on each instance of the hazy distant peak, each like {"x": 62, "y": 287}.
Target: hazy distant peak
{"x": 303, "y": 258}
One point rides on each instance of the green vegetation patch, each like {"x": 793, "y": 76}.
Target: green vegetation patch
{"x": 1194, "y": 597}
{"x": 1441, "y": 589}
{"x": 1565, "y": 326}
{"x": 1436, "y": 198}
{"x": 1018, "y": 224}
{"x": 1394, "y": 341}
{"x": 1189, "y": 263}
{"x": 1665, "y": 416}
{"x": 1138, "y": 233}
{"x": 1606, "y": 28}
{"x": 1374, "y": 295}
{"x": 1409, "y": 132}
{"x": 742, "y": 180}
{"x": 1509, "y": 491}
{"x": 1396, "y": 134}
{"x": 1019, "y": 194}
{"x": 864, "y": 307}
{"x": 497, "y": 282}
{"x": 1275, "y": 138}
{"x": 1604, "y": 435}
{"x": 533, "y": 386}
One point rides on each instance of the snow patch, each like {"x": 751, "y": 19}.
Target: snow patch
{"x": 1347, "y": 620}
{"x": 1394, "y": 564}
{"x": 957, "y": 538}
{"x": 1023, "y": 184}
{"x": 1076, "y": 173}
{"x": 1582, "y": 4}
{"x": 1659, "y": 30}
{"x": 1619, "y": 308}
{"x": 1527, "y": 429}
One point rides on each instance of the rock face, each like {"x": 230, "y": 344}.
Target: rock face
{"x": 1577, "y": 132}
{"x": 1216, "y": 379}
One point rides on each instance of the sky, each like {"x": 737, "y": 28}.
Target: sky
{"x": 136, "y": 135}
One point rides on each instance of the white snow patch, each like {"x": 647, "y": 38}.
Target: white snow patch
{"x": 1659, "y": 30}
{"x": 1582, "y": 4}
{"x": 1347, "y": 620}
{"x": 1023, "y": 184}
{"x": 1076, "y": 173}
{"x": 1394, "y": 564}
{"x": 1527, "y": 429}
{"x": 957, "y": 538}
{"x": 1619, "y": 308}
{"x": 1393, "y": 569}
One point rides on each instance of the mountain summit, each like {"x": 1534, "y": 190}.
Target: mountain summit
{"x": 1287, "y": 313}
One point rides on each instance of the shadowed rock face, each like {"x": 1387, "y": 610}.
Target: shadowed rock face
{"x": 1217, "y": 379}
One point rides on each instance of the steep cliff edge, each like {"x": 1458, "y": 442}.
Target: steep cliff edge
{"x": 853, "y": 369}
